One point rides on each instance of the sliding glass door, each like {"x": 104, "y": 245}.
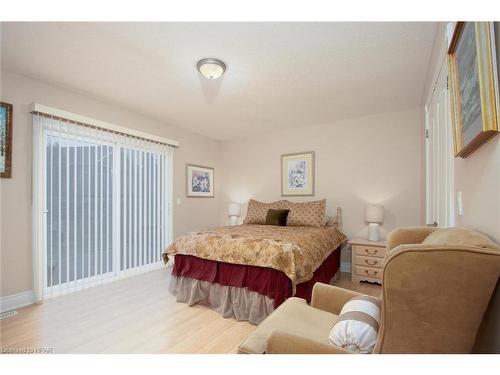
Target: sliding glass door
{"x": 142, "y": 206}
{"x": 106, "y": 199}
{"x": 79, "y": 194}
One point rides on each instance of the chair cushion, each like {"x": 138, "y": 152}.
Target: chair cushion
{"x": 357, "y": 325}
{"x": 460, "y": 237}
{"x": 294, "y": 316}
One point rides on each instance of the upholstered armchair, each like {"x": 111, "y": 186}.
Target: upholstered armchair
{"x": 436, "y": 287}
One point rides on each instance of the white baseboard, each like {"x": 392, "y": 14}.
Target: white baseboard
{"x": 16, "y": 301}
{"x": 345, "y": 267}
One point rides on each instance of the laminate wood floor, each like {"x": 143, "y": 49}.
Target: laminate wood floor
{"x": 134, "y": 315}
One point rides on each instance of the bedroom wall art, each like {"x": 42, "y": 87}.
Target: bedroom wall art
{"x": 199, "y": 181}
{"x": 5, "y": 140}
{"x": 297, "y": 174}
{"x": 473, "y": 84}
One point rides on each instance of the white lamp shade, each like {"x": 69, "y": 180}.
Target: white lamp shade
{"x": 374, "y": 214}
{"x": 234, "y": 209}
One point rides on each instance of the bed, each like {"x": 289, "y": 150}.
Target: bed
{"x": 248, "y": 270}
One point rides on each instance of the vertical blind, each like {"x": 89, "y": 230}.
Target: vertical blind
{"x": 107, "y": 201}
{"x": 142, "y": 222}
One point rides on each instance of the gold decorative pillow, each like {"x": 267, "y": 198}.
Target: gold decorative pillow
{"x": 310, "y": 214}
{"x": 257, "y": 211}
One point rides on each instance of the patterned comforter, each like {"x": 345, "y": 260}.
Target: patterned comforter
{"x": 295, "y": 251}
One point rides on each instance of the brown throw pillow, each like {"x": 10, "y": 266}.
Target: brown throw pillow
{"x": 277, "y": 217}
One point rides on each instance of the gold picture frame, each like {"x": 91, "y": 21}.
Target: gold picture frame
{"x": 5, "y": 140}
{"x": 297, "y": 174}
{"x": 473, "y": 83}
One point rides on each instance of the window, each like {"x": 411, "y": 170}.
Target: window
{"x": 104, "y": 200}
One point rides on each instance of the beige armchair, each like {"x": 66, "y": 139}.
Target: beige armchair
{"x": 436, "y": 287}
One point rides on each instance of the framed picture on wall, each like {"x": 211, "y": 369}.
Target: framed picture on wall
{"x": 199, "y": 181}
{"x": 5, "y": 140}
{"x": 473, "y": 84}
{"x": 297, "y": 174}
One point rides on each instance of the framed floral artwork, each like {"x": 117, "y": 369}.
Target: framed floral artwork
{"x": 200, "y": 181}
{"x": 5, "y": 140}
{"x": 297, "y": 174}
{"x": 473, "y": 84}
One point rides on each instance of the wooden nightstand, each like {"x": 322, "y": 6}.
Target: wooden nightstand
{"x": 366, "y": 260}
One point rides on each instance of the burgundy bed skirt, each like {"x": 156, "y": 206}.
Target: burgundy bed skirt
{"x": 267, "y": 281}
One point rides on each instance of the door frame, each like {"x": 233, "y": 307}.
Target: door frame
{"x": 445, "y": 156}
{"x": 39, "y": 212}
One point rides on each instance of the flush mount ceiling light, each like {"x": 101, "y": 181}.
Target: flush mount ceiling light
{"x": 211, "y": 68}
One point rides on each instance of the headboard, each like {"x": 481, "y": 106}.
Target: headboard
{"x": 336, "y": 222}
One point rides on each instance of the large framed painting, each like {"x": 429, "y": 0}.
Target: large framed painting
{"x": 473, "y": 83}
{"x": 5, "y": 140}
{"x": 200, "y": 181}
{"x": 297, "y": 174}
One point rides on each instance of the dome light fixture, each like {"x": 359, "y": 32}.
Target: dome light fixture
{"x": 211, "y": 68}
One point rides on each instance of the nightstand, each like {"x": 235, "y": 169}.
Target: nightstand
{"x": 367, "y": 259}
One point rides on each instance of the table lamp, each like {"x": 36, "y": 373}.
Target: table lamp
{"x": 374, "y": 215}
{"x": 234, "y": 210}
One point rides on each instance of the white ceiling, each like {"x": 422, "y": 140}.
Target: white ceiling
{"x": 279, "y": 75}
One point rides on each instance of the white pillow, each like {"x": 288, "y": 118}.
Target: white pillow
{"x": 356, "y": 327}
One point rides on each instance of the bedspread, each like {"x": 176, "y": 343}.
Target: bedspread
{"x": 295, "y": 251}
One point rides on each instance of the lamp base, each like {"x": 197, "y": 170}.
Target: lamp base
{"x": 373, "y": 232}
{"x": 234, "y": 220}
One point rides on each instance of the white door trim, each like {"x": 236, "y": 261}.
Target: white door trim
{"x": 439, "y": 169}
{"x": 39, "y": 211}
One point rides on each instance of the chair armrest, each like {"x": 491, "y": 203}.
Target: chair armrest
{"x": 280, "y": 342}
{"x": 331, "y": 298}
{"x": 410, "y": 235}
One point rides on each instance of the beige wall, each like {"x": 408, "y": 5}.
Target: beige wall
{"x": 357, "y": 161}
{"x": 478, "y": 178}
{"x": 15, "y": 231}
{"x": 373, "y": 159}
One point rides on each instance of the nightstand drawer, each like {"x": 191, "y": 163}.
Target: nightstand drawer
{"x": 371, "y": 251}
{"x": 369, "y": 261}
{"x": 374, "y": 273}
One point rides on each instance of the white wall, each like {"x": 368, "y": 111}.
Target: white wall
{"x": 15, "y": 232}
{"x": 373, "y": 159}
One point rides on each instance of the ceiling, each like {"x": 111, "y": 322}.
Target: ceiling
{"x": 279, "y": 75}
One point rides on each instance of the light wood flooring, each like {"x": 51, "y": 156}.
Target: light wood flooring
{"x": 134, "y": 315}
